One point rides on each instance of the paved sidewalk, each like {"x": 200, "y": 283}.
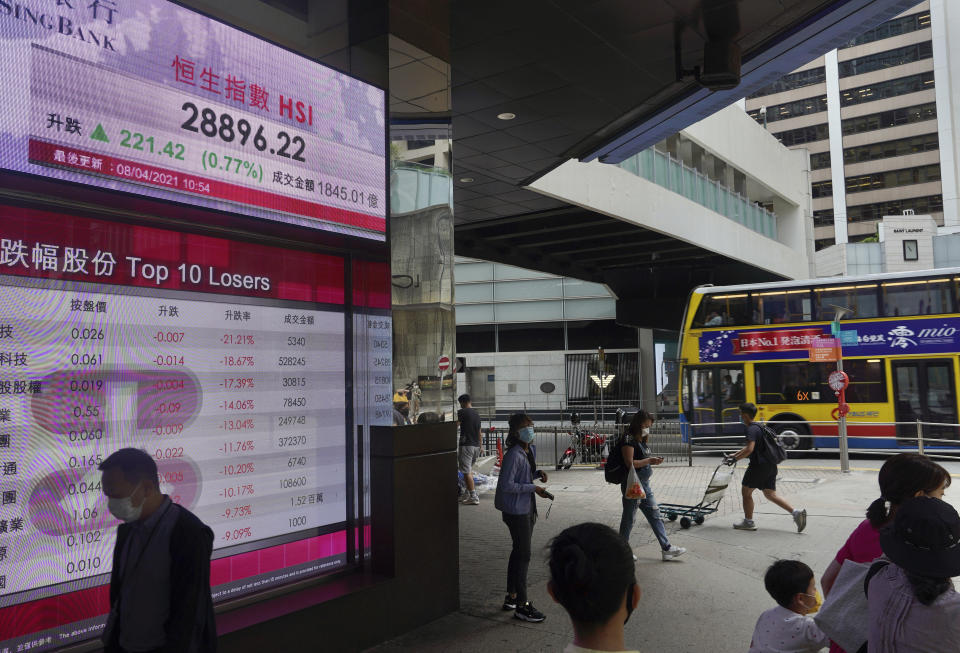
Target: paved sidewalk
{"x": 708, "y": 600}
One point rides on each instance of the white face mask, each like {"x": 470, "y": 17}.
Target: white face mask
{"x": 645, "y": 431}
{"x": 123, "y": 508}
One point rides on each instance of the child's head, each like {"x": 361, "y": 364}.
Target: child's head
{"x": 592, "y": 575}
{"x": 791, "y": 584}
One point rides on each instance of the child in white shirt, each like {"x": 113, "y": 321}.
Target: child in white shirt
{"x": 787, "y": 628}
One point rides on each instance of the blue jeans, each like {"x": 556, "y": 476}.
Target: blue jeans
{"x": 650, "y": 510}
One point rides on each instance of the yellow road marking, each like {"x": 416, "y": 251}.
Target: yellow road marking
{"x": 837, "y": 469}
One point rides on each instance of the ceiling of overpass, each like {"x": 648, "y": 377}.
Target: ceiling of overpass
{"x": 576, "y": 78}
{"x": 575, "y": 73}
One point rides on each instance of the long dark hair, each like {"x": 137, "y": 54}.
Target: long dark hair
{"x": 591, "y": 568}
{"x": 636, "y": 424}
{"x": 927, "y": 589}
{"x": 901, "y": 477}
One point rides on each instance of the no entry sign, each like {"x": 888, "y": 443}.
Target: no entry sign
{"x": 443, "y": 364}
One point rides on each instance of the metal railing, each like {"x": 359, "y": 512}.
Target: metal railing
{"x": 559, "y": 413}
{"x": 663, "y": 170}
{"x": 915, "y": 436}
{"x": 591, "y": 444}
{"x": 678, "y": 443}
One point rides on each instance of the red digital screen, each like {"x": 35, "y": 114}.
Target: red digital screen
{"x": 226, "y": 360}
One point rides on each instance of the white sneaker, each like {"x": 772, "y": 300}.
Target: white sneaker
{"x": 800, "y": 519}
{"x": 745, "y": 525}
{"x": 472, "y": 500}
{"x": 673, "y": 552}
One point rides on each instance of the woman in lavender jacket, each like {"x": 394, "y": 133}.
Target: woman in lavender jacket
{"x": 514, "y": 498}
{"x": 913, "y": 606}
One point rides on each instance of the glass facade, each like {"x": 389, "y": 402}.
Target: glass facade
{"x": 793, "y": 81}
{"x": 893, "y": 178}
{"x": 819, "y": 160}
{"x": 888, "y": 59}
{"x": 920, "y": 205}
{"x": 663, "y": 170}
{"x": 489, "y": 293}
{"x": 888, "y": 89}
{"x": 791, "y": 109}
{"x": 887, "y": 149}
{"x": 894, "y": 27}
{"x": 891, "y": 118}
{"x": 792, "y": 137}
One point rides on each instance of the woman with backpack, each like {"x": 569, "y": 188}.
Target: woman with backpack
{"x": 515, "y": 499}
{"x": 901, "y": 477}
{"x": 635, "y": 454}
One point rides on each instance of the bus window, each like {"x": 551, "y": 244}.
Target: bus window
{"x": 781, "y": 306}
{"x": 916, "y": 297}
{"x": 790, "y": 383}
{"x": 868, "y": 383}
{"x": 860, "y": 300}
{"x": 723, "y": 310}
{"x": 698, "y": 398}
{"x": 806, "y": 383}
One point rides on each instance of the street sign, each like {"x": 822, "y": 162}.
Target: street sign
{"x": 823, "y": 354}
{"x": 838, "y": 381}
{"x": 848, "y": 338}
{"x": 822, "y": 343}
{"x": 443, "y": 364}
{"x": 835, "y": 327}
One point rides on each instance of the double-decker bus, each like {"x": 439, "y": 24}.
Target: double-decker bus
{"x": 751, "y": 343}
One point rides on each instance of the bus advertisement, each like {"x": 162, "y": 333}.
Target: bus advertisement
{"x": 756, "y": 343}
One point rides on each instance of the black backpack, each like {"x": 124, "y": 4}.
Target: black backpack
{"x": 614, "y": 470}
{"x": 771, "y": 449}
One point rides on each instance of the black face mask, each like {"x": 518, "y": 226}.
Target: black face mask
{"x": 630, "y": 591}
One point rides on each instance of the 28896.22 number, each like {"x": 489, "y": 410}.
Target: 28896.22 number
{"x": 223, "y": 126}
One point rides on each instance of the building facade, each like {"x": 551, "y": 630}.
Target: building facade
{"x": 876, "y": 117}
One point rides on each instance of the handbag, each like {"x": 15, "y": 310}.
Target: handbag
{"x": 634, "y": 490}
{"x": 844, "y": 616}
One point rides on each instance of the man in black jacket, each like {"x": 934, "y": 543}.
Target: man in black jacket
{"x": 160, "y": 584}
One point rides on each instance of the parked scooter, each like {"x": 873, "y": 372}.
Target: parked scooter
{"x": 588, "y": 445}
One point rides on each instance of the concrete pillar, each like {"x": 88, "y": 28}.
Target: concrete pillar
{"x": 836, "y": 149}
{"x": 947, "y": 78}
{"x": 648, "y": 370}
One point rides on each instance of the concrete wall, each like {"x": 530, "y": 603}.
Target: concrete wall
{"x": 897, "y": 229}
{"x": 620, "y": 194}
{"x": 518, "y": 376}
{"x": 736, "y": 138}
{"x": 831, "y": 261}
{"x": 773, "y": 174}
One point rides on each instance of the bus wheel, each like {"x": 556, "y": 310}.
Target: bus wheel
{"x": 795, "y": 437}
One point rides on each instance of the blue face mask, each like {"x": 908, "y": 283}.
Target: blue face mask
{"x": 525, "y": 434}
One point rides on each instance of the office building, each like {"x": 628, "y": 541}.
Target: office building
{"x": 876, "y": 118}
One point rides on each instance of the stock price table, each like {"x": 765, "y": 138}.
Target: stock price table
{"x": 241, "y": 405}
